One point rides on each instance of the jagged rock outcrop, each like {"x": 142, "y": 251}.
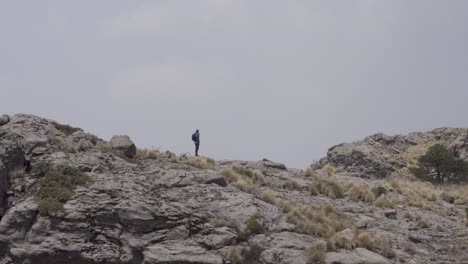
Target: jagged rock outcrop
{"x": 381, "y": 155}
{"x": 167, "y": 210}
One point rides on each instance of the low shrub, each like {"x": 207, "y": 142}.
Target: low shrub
{"x": 57, "y": 187}
{"x": 253, "y": 226}
{"x": 41, "y": 168}
{"x": 378, "y": 191}
{"x": 330, "y": 188}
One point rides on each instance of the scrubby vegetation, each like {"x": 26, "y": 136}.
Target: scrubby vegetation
{"x": 328, "y": 187}
{"x": 57, "y": 186}
{"x": 361, "y": 193}
{"x": 148, "y": 154}
{"x": 385, "y": 202}
{"x": 376, "y": 244}
{"x": 244, "y": 178}
{"x": 331, "y": 170}
{"x": 323, "y": 221}
{"x": 253, "y": 226}
{"x": 199, "y": 162}
{"x": 439, "y": 164}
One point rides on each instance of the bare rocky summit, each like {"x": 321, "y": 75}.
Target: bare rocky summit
{"x": 357, "y": 205}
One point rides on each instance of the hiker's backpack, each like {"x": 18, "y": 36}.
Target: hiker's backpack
{"x": 194, "y": 136}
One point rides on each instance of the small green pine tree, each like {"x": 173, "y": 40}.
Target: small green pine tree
{"x": 439, "y": 164}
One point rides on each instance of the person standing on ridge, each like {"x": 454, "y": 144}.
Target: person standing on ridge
{"x": 196, "y": 140}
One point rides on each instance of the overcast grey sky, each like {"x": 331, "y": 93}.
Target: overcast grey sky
{"x": 283, "y": 80}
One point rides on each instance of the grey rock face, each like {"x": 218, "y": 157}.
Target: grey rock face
{"x": 185, "y": 252}
{"x": 4, "y": 119}
{"x": 357, "y": 256}
{"x": 274, "y": 165}
{"x": 379, "y": 155}
{"x": 123, "y": 145}
{"x": 163, "y": 211}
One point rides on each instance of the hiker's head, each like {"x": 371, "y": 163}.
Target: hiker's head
{"x": 197, "y": 130}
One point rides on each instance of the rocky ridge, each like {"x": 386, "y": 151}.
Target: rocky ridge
{"x": 162, "y": 208}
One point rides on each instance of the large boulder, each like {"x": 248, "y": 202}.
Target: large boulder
{"x": 123, "y": 145}
{"x": 4, "y": 119}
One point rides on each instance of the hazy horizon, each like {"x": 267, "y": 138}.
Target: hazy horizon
{"x": 260, "y": 79}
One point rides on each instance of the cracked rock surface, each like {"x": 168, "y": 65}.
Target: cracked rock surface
{"x": 161, "y": 211}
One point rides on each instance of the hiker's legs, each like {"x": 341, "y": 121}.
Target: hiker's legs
{"x": 197, "y": 146}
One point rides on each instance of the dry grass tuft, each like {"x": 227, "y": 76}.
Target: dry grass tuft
{"x": 286, "y": 205}
{"x": 148, "y": 153}
{"x": 337, "y": 242}
{"x": 249, "y": 173}
{"x": 361, "y": 193}
{"x": 331, "y": 170}
{"x": 309, "y": 172}
{"x": 408, "y": 215}
{"x": 421, "y": 223}
{"x": 384, "y": 202}
{"x": 375, "y": 244}
{"x": 460, "y": 192}
{"x": 269, "y": 196}
{"x": 104, "y": 147}
{"x": 293, "y": 185}
{"x": 418, "y": 193}
{"x": 317, "y": 254}
{"x": 329, "y": 187}
{"x": 322, "y": 221}
{"x": 84, "y": 145}
{"x": 243, "y": 178}
{"x": 200, "y": 162}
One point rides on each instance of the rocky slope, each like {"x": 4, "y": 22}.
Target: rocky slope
{"x": 160, "y": 208}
